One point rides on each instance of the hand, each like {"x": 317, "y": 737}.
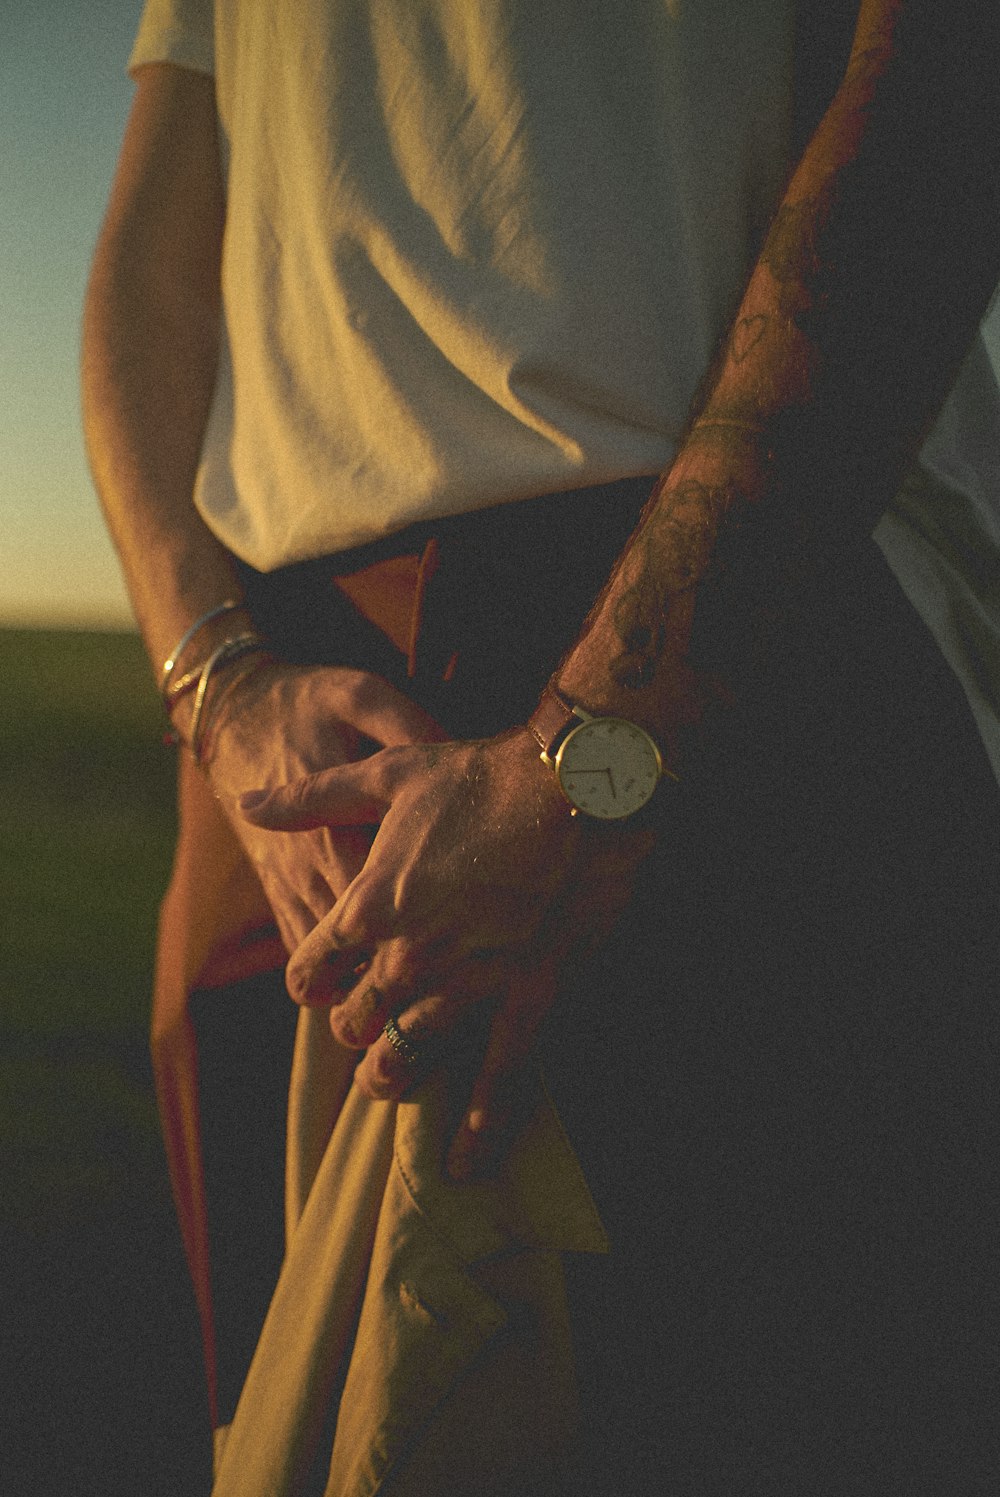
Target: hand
{"x": 278, "y": 722}
{"x": 478, "y": 888}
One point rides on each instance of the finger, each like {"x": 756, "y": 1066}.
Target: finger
{"x": 367, "y": 925}
{"x": 354, "y": 959}
{"x": 401, "y": 971}
{"x": 386, "y": 987}
{"x": 316, "y": 973}
{"x": 392, "y": 1066}
{"x": 347, "y": 795}
{"x": 434, "y": 1027}
{"x": 325, "y": 966}
{"x": 495, "y": 1108}
{"x": 294, "y": 920}
{"x": 381, "y": 712}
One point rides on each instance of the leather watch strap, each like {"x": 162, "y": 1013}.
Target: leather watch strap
{"x": 549, "y": 719}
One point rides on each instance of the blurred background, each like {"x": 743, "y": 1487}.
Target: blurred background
{"x": 99, "y": 1358}
{"x": 64, "y": 96}
{"x": 99, "y": 1361}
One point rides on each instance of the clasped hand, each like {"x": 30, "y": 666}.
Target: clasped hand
{"x": 477, "y": 889}
{"x": 279, "y": 722}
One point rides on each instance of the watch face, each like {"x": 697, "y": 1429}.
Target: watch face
{"x": 608, "y": 767}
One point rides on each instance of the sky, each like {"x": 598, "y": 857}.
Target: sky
{"x": 64, "y": 97}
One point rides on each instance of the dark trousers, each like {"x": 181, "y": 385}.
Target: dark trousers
{"x": 785, "y": 1090}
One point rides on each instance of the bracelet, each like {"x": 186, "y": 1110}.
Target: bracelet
{"x": 173, "y": 692}
{"x": 171, "y": 661}
{"x": 229, "y": 651}
{"x": 234, "y": 680}
{"x": 173, "y": 695}
{"x": 171, "y": 736}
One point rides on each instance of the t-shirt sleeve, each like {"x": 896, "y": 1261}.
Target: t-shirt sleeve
{"x": 178, "y": 31}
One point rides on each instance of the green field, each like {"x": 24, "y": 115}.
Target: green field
{"x": 100, "y": 1356}
{"x": 86, "y": 826}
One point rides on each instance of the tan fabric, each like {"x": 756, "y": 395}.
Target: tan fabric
{"x": 216, "y": 928}
{"x": 463, "y": 1325}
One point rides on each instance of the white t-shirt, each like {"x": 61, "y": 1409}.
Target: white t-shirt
{"x": 481, "y": 250}
{"x": 475, "y": 252}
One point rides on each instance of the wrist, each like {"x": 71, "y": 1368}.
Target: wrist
{"x": 234, "y": 701}
{"x": 606, "y": 765}
{"x": 195, "y": 702}
{"x": 197, "y": 641}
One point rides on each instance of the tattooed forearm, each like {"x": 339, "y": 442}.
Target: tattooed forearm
{"x": 793, "y": 250}
{"x": 792, "y": 290}
{"x": 713, "y": 571}
{"x": 746, "y": 335}
{"x": 670, "y": 558}
{"x": 877, "y": 267}
{"x": 638, "y": 619}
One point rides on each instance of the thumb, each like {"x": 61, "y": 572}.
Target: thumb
{"x": 346, "y": 795}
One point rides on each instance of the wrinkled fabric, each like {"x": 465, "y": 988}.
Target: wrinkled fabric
{"x": 435, "y": 1277}
{"x": 474, "y": 252}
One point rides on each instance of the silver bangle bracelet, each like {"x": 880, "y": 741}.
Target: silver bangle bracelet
{"x": 170, "y": 664}
{"x": 229, "y": 651}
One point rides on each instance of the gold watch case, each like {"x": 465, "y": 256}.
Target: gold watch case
{"x": 607, "y": 767}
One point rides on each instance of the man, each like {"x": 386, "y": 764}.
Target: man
{"x": 474, "y": 256}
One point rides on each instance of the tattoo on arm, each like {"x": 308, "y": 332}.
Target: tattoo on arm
{"x": 672, "y": 555}
{"x": 799, "y": 259}
{"x": 792, "y": 250}
{"x": 746, "y": 335}
{"x": 750, "y": 564}
{"x": 854, "y": 284}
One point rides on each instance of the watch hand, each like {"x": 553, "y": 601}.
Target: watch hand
{"x": 604, "y": 770}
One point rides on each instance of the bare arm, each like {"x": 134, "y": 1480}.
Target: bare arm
{"x": 150, "y": 344}
{"x": 150, "y": 347}
{"x": 877, "y": 269}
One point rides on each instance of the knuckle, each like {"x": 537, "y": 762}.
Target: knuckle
{"x": 361, "y": 1018}
{"x": 350, "y": 685}
{"x": 374, "y": 1005}
{"x": 365, "y": 691}
{"x": 300, "y": 793}
{"x": 401, "y": 965}
{"x": 362, "y": 689}
{"x": 300, "y": 983}
{"x": 386, "y": 1078}
{"x": 344, "y": 1030}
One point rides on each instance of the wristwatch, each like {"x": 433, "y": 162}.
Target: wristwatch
{"x": 606, "y": 767}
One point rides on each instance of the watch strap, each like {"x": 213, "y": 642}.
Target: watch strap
{"x": 550, "y": 720}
